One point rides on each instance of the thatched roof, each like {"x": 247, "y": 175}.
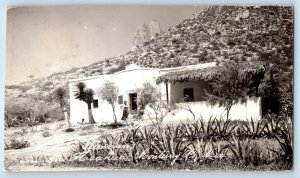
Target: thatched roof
{"x": 205, "y": 74}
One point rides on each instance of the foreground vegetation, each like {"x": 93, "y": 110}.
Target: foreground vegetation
{"x": 195, "y": 145}
{"x": 214, "y": 144}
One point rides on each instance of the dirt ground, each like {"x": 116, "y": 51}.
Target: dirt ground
{"x": 58, "y": 143}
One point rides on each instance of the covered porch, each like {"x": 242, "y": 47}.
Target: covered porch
{"x": 188, "y": 89}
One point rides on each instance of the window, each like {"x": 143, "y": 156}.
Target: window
{"x": 95, "y": 103}
{"x": 188, "y": 94}
{"x": 120, "y": 99}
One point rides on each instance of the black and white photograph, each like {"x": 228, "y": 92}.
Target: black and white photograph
{"x": 149, "y": 87}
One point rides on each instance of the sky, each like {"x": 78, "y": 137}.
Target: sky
{"x": 41, "y": 41}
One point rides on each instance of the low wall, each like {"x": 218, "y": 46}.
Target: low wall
{"x": 241, "y": 111}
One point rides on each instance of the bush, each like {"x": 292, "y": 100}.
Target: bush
{"x": 46, "y": 134}
{"x": 70, "y": 130}
{"x": 88, "y": 127}
{"x": 14, "y": 144}
{"x": 231, "y": 42}
{"x": 27, "y": 111}
{"x": 120, "y": 67}
{"x": 59, "y": 126}
{"x": 22, "y": 88}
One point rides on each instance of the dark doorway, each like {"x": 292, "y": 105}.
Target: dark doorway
{"x": 95, "y": 104}
{"x": 133, "y": 101}
{"x": 188, "y": 94}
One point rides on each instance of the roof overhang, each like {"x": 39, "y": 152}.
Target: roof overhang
{"x": 206, "y": 74}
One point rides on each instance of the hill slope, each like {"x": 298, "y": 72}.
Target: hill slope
{"x": 218, "y": 33}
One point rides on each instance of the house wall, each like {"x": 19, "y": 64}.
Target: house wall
{"x": 127, "y": 81}
{"x": 204, "y": 110}
{"x": 199, "y": 87}
{"x": 201, "y": 108}
{"x": 78, "y": 109}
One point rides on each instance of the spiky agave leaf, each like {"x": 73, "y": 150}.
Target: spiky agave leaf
{"x": 286, "y": 144}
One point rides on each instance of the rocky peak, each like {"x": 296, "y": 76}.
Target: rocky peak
{"x": 145, "y": 32}
{"x": 154, "y": 28}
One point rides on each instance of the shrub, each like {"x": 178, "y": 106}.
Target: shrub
{"x": 70, "y": 130}
{"x": 14, "y": 144}
{"x": 22, "y": 88}
{"x": 46, "y": 134}
{"x": 45, "y": 128}
{"x": 59, "y": 126}
{"x": 231, "y": 42}
{"x": 120, "y": 67}
{"x": 87, "y": 127}
{"x": 29, "y": 111}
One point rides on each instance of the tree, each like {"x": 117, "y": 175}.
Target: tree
{"x": 269, "y": 90}
{"x": 146, "y": 95}
{"x": 109, "y": 92}
{"x": 86, "y": 95}
{"x": 234, "y": 83}
{"x": 60, "y": 94}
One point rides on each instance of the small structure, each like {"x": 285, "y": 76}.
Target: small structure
{"x": 128, "y": 81}
{"x": 183, "y": 86}
{"x": 187, "y": 89}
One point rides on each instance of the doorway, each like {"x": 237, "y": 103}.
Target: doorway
{"x": 133, "y": 101}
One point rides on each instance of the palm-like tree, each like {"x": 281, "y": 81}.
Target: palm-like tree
{"x": 86, "y": 95}
{"x": 60, "y": 94}
{"x": 89, "y": 97}
{"x": 79, "y": 94}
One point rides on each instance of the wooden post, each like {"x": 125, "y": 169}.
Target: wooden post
{"x": 167, "y": 93}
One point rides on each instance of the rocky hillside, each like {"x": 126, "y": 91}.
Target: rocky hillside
{"x": 223, "y": 33}
{"x": 218, "y": 33}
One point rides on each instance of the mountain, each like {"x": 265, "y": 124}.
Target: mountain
{"x": 145, "y": 32}
{"x": 222, "y": 33}
{"x": 219, "y": 33}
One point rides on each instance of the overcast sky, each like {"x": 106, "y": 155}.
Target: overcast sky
{"x": 45, "y": 40}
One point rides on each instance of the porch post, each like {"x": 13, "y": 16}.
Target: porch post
{"x": 167, "y": 93}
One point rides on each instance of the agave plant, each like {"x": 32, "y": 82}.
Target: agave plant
{"x": 206, "y": 127}
{"x": 286, "y": 143}
{"x": 168, "y": 141}
{"x": 222, "y": 129}
{"x": 241, "y": 150}
{"x": 254, "y": 129}
{"x": 10, "y": 120}
{"x": 273, "y": 126}
{"x": 220, "y": 150}
{"x": 191, "y": 131}
{"x": 199, "y": 151}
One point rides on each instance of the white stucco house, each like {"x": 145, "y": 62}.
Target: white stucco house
{"x": 171, "y": 92}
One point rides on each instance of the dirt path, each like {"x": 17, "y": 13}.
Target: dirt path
{"x": 55, "y": 145}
